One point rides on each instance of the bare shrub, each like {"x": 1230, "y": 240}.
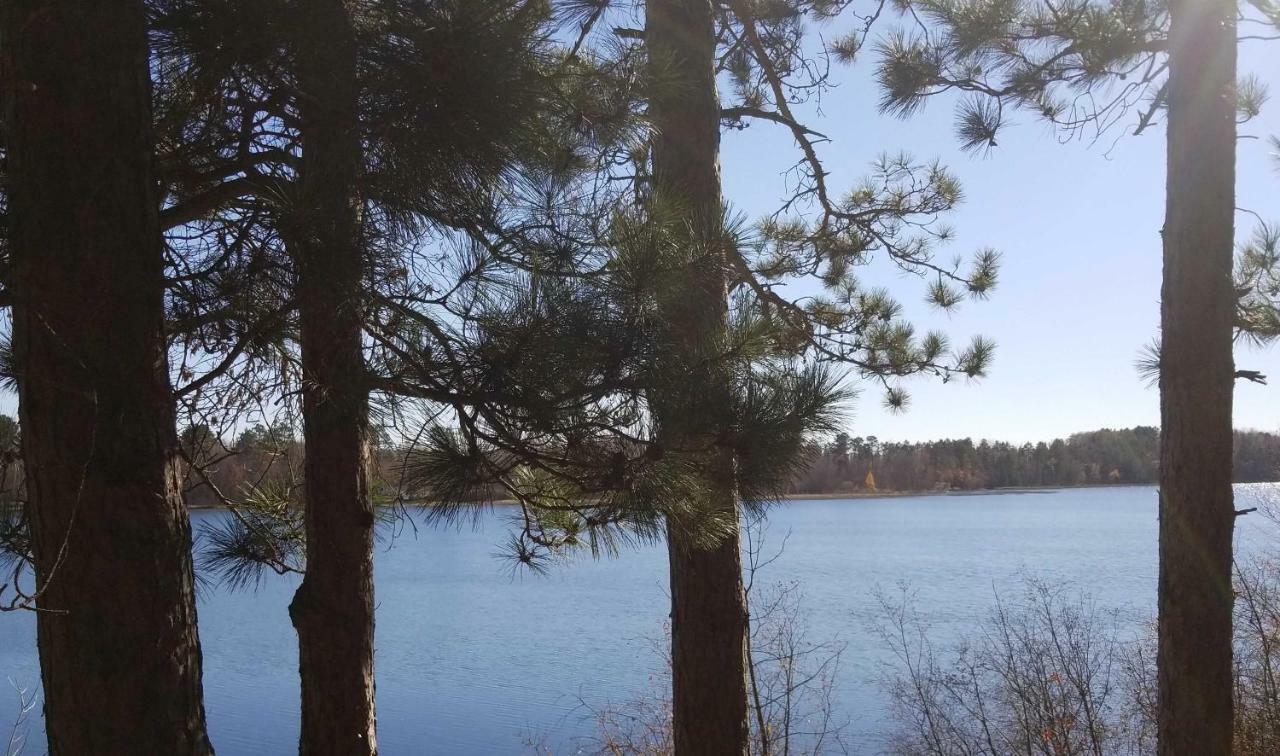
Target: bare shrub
{"x": 1047, "y": 675}
{"x": 1257, "y": 652}
{"x": 640, "y": 728}
{"x": 27, "y": 702}
{"x": 1053, "y": 674}
{"x": 1257, "y": 636}
{"x": 793, "y": 705}
{"x": 792, "y": 681}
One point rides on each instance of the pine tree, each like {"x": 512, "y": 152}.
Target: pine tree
{"x": 119, "y": 650}
{"x": 313, "y": 149}
{"x": 709, "y": 616}
{"x": 1179, "y": 60}
{"x": 1257, "y": 275}
{"x": 333, "y": 609}
{"x": 1197, "y": 374}
{"x": 726, "y": 330}
{"x": 648, "y": 407}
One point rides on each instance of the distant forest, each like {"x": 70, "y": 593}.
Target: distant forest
{"x": 1130, "y": 455}
{"x": 270, "y": 458}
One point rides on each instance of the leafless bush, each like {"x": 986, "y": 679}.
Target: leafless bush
{"x": 640, "y": 728}
{"x": 1053, "y": 674}
{"x": 792, "y": 706}
{"x": 1257, "y": 653}
{"x": 792, "y": 679}
{"x": 27, "y": 702}
{"x": 1257, "y": 637}
{"x": 1050, "y": 674}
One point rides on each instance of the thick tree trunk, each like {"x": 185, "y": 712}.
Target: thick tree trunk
{"x": 333, "y": 609}
{"x": 708, "y": 605}
{"x": 119, "y": 651}
{"x": 1196, "y": 381}
{"x": 708, "y": 647}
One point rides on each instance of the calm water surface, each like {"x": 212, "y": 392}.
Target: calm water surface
{"x": 471, "y": 660}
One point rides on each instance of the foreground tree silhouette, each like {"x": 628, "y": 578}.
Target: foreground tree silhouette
{"x": 1197, "y": 375}
{"x": 333, "y": 608}
{"x": 326, "y": 141}
{"x": 119, "y": 651}
{"x": 261, "y": 118}
{"x": 741, "y": 374}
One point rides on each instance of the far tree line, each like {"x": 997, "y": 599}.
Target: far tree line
{"x": 264, "y": 456}
{"x": 1118, "y": 457}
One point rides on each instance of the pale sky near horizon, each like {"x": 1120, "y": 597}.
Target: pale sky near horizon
{"x": 1077, "y": 225}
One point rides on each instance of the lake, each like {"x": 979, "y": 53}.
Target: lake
{"x": 473, "y": 660}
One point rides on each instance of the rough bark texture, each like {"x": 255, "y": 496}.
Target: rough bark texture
{"x": 1196, "y": 382}
{"x": 119, "y": 651}
{"x": 708, "y": 647}
{"x": 333, "y": 609}
{"x": 708, "y": 604}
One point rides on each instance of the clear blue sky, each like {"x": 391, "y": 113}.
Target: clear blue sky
{"x": 1078, "y": 226}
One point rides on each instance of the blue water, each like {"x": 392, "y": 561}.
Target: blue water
{"x": 471, "y": 660}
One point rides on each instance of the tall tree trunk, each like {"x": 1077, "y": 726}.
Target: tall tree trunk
{"x": 333, "y": 609}
{"x": 119, "y": 650}
{"x": 708, "y": 604}
{"x": 1196, "y": 381}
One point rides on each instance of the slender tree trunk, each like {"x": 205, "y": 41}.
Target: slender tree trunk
{"x": 119, "y": 650}
{"x": 708, "y": 603}
{"x": 1196, "y": 381}
{"x": 333, "y": 609}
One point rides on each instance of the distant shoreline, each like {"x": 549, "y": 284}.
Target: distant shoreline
{"x": 836, "y": 496}
{"x": 955, "y": 492}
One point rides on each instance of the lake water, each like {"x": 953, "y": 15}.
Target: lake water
{"x": 471, "y": 660}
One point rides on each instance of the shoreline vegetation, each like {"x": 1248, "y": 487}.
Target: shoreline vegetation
{"x": 267, "y": 461}
{"x": 842, "y": 495}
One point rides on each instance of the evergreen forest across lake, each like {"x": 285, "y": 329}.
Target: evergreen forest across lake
{"x": 263, "y": 455}
{"x": 1129, "y": 456}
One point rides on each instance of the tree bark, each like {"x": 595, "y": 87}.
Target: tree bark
{"x": 119, "y": 649}
{"x": 708, "y": 647}
{"x": 1196, "y": 382}
{"x": 333, "y": 609}
{"x": 708, "y": 604}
